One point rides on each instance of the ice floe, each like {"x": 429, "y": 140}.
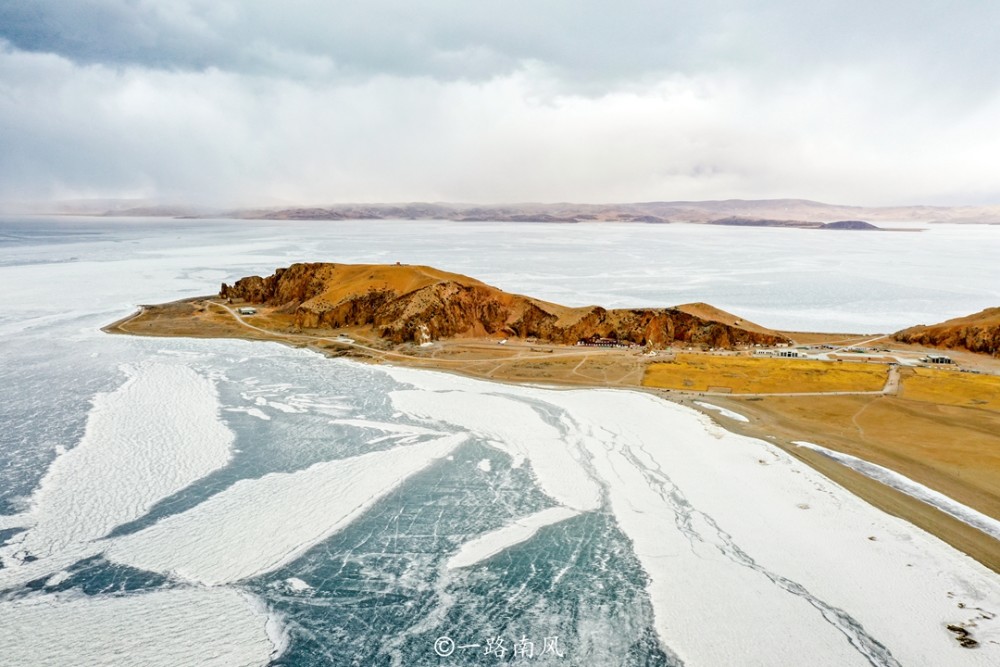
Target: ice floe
{"x": 297, "y": 585}
{"x": 495, "y": 541}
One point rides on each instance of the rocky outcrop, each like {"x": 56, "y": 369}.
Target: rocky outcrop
{"x": 411, "y": 304}
{"x": 976, "y": 333}
{"x": 853, "y": 225}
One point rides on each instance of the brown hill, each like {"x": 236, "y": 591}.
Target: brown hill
{"x": 713, "y": 314}
{"x": 976, "y": 333}
{"x": 417, "y": 303}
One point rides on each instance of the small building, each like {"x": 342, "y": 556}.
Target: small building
{"x": 788, "y": 354}
{"x": 247, "y": 311}
{"x": 934, "y": 358}
{"x": 599, "y": 341}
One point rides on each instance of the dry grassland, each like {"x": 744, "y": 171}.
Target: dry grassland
{"x": 951, "y": 387}
{"x": 746, "y": 375}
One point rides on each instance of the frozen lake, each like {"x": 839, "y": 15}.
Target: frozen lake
{"x": 227, "y": 502}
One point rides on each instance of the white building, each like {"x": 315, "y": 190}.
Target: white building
{"x": 934, "y": 358}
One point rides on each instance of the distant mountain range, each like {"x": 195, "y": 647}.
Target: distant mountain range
{"x": 774, "y": 212}
{"x": 764, "y": 212}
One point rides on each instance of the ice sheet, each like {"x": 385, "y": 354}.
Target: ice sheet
{"x": 195, "y": 626}
{"x": 258, "y": 525}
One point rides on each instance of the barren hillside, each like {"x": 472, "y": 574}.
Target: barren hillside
{"x": 976, "y": 333}
{"x": 417, "y": 303}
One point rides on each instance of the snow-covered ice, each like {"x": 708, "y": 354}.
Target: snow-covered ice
{"x": 521, "y": 530}
{"x": 752, "y": 557}
{"x": 258, "y": 525}
{"x": 157, "y": 433}
{"x": 515, "y": 428}
{"x": 192, "y": 626}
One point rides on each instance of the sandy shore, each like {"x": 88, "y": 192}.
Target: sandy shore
{"x": 954, "y": 449}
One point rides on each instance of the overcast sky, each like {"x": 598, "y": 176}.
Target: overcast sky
{"x": 324, "y": 101}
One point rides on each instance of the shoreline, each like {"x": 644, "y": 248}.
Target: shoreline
{"x": 762, "y": 424}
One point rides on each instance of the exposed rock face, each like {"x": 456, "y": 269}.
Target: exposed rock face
{"x": 408, "y": 303}
{"x": 976, "y": 333}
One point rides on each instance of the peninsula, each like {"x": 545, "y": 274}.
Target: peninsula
{"x": 849, "y": 398}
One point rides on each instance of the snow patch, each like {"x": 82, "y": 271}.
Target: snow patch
{"x": 723, "y": 411}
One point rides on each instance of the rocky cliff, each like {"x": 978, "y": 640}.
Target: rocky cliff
{"x": 976, "y": 333}
{"x": 417, "y": 303}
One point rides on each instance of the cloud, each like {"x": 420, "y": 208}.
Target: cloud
{"x": 316, "y": 102}
{"x": 589, "y": 42}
